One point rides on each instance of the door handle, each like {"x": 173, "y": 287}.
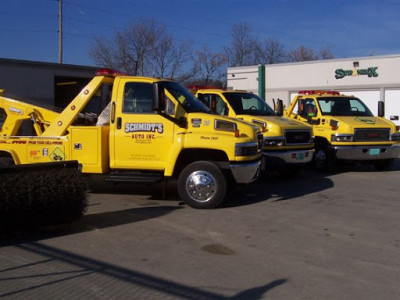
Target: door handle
{"x": 119, "y": 123}
{"x": 113, "y": 112}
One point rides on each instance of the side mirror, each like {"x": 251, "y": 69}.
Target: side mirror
{"x": 381, "y": 109}
{"x": 158, "y": 97}
{"x": 279, "y": 107}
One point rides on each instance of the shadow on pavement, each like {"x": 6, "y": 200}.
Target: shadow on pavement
{"x": 85, "y": 269}
{"x": 97, "y": 185}
{"x": 272, "y": 185}
{"x": 89, "y": 222}
{"x": 358, "y": 167}
{"x": 277, "y": 187}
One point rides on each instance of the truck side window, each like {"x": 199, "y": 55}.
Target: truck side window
{"x": 3, "y": 117}
{"x": 220, "y": 106}
{"x": 205, "y": 98}
{"x": 307, "y": 108}
{"x": 169, "y": 106}
{"x": 137, "y": 98}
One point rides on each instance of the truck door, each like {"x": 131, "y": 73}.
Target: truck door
{"x": 142, "y": 139}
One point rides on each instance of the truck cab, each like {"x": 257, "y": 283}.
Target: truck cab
{"x": 287, "y": 145}
{"x": 345, "y": 129}
{"x": 151, "y": 130}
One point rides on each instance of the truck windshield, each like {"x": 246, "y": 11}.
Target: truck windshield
{"x": 248, "y": 104}
{"x": 189, "y": 102}
{"x": 343, "y": 106}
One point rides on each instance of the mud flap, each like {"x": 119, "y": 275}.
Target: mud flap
{"x": 37, "y": 195}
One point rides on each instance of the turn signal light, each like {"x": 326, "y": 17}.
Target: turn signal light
{"x": 237, "y": 133}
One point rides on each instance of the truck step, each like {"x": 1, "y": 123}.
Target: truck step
{"x": 135, "y": 176}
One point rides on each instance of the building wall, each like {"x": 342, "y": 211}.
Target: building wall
{"x": 369, "y": 78}
{"x": 36, "y": 80}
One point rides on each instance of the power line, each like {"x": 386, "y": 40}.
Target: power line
{"x": 27, "y": 30}
{"x": 60, "y": 32}
{"x": 129, "y": 16}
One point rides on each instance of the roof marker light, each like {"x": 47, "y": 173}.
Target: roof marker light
{"x": 109, "y": 72}
{"x": 318, "y": 92}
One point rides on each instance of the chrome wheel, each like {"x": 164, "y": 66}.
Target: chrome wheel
{"x": 201, "y": 186}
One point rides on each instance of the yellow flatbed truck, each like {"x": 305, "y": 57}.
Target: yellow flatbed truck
{"x": 151, "y": 130}
{"x": 345, "y": 129}
{"x": 287, "y": 145}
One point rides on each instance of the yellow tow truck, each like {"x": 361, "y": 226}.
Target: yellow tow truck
{"x": 150, "y": 131}
{"x": 288, "y": 144}
{"x": 345, "y": 129}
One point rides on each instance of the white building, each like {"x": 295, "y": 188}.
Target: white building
{"x": 370, "y": 78}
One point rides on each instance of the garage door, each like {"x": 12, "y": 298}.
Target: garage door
{"x": 370, "y": 98}
{"x": 392, "y": 105}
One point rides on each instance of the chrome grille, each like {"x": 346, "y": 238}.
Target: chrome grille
{"x": 371, "y": 134}
{"x": 296, "y": 137}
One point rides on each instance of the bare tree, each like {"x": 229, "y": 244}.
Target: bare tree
{"x": 142, "y": 48}
{"x": 210, "y": 65}
{"x": 168, "y": 58}
{"x": 103, "y": 52}
{"x": 302, "y": 53}
{"x": 325, "y": 53}
{"x": 242, "y": 49}
{"x": 270, "y": 51}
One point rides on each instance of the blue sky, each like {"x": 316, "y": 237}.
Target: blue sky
{"x": 29, "y": 28}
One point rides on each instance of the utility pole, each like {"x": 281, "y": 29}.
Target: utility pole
{"x": 60, "y": 33}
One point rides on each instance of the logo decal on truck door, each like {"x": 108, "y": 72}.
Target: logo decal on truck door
{"x": 144, "y": 127}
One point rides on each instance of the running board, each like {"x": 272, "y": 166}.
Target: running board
{"x": 135, "y": 176}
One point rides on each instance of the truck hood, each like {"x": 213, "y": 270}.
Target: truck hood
{"x": 276, "y": 125}
{"x": 208, "y": 123}
{"x": 352, "y": 122}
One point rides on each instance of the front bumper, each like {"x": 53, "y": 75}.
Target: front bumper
{"x": 245, "y": 172}
{"x": 367, "y": 152}
{"x": 289, "y": 156}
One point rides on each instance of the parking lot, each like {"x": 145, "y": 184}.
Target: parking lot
{"x": 317, "y": 236}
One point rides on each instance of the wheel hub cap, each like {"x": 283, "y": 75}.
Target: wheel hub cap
{"x": 201, "y": 186}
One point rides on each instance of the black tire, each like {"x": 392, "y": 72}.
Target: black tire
{"x": 202, "y": 185}
{"x": 324, "y": 160}
{"x": 384, "y": 164}
{"x": 6, "y": 161}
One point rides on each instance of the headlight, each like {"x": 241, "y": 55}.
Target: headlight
{"x": 395, "y": 136}
{"x": 274, "y": 141}
{"x": 246, "y": 149}
{"x": 262, "y": 124}
{"x": 342, "y": 137}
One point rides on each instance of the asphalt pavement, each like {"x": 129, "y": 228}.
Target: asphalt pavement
{"x": 317, "y": 236}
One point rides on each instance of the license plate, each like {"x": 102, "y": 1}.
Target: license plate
{"x": 374, "y": 151}
{"x": 300, "y": 156}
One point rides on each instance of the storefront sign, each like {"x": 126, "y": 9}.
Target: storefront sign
{"x": 370, "y": 72}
